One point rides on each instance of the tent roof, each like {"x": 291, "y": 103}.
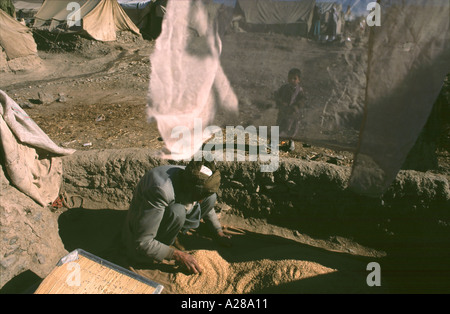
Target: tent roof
{"x": 277, "y": 12}
{"x": 27, "y": 5}
{"x": 100, "y": 19}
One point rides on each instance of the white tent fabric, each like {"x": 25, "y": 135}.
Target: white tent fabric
{"x": 408, "y": 58}
{"x": 30, "y": 156}
{"x": 100, "y": 19}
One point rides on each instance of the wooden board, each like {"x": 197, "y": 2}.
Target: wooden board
{"x": 83, "y": 273}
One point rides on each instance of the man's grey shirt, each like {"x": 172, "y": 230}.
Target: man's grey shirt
{"x": 158, "y": 188}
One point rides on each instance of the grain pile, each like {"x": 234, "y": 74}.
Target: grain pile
{"x": 220, "y": 277}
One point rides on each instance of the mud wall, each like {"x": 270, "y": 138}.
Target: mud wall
{"x": 297, "y": 194}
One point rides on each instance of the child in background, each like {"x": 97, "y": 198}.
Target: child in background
{"x": 289, "y": 99}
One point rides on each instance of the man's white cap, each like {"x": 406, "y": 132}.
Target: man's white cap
{"x": 206, "y": 170}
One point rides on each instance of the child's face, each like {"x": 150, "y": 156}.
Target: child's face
{"x": 294, "y": 80}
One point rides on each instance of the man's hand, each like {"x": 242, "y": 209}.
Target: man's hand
{"x": 224, "y": 239}
{"x": 188, "y": 261}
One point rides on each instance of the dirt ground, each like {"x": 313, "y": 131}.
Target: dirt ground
{"x": 262, "y": 258}
{"x": 92, "y": 95}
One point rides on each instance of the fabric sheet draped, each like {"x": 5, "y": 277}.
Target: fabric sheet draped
{"x": 407, "y": 58}
{"x": 31, "y": 158}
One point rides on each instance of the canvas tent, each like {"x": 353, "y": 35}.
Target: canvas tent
{"x": 15, "y": 38}
{"x": 99, "y": 19}
{"x": 289, "y": 16}
{"x": 18, "y": 50}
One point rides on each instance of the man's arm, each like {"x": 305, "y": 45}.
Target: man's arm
{"x": 148, "y": 224}
{"x": 209, "y": 214}
{"x": 212, "y": 219}
{"x": 148, "y": 228}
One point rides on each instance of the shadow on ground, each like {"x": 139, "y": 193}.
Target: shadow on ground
{"x": 411, "y": 265}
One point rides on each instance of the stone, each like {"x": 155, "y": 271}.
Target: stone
{"x": 237, "y": 184}
{"x": 26, "y": 105}
{"x": 45, "y": 98}
{"x": 62, "y": 98}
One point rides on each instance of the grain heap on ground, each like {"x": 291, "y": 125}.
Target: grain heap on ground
{"x": 220, "y": 277}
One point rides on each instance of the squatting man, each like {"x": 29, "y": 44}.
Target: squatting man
{"x": 167, "y": 201}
